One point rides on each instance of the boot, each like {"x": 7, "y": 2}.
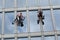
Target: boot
{"x": 42, "y": 23}
{"x": 22, "y": 24}
{"x": 37, "y": 21}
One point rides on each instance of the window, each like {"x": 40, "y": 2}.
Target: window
{"x": 47, "y": 21}
{"x": 34, "y": 27}
{"x": 55, "y": 2}
{"x": 49, "y": 38}
{"x": 36, "y": 38}
{"x": 36, "y": 3}
{"x": 8, "y": 26}
{"x": 9, "y": 3}
{"x": 1, "y": 3}
{"x": 21, "y": 3}
{"x": 58, "y": 37}
{"x": 0, "y": 23}
{"x": 8, "y": 39}
{"x": 32, "y": 3}
{"x": 57, "y": 18}
{"x": 44, "y": 3}
{"x": 22, "y": 38}
{"x": 31, "y": 30}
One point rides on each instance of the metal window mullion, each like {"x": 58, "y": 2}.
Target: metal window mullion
{"x": 28, "y": 20}
{"x": 50, "y": 4}
{"x": 15, "y": 3}
{"x": 15, "y": 17}
{"x": 28, "y": 25}
{"x": 2, "y": 25}
{"x": 3, "y": 21}
{"x": 29, "y": 37}
{"x": 3, "y": 18}
{"x": 54, "y": 25}
{"x": 2, "y": 38}
{"x": 38, "y": 4}
{"x": 53, "y": 20}
{"x": 3, "y": 3}
{"x": 15, "y": 28}
{"x": 16, "y": 37}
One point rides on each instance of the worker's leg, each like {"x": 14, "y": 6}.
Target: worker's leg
{"x": 42, "y": 22}
{"x": 22, "y": 24}
{"x": 14, "y": 21}
{"x": 38, "y": 21}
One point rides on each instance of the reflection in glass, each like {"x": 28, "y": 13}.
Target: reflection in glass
{"x": 36, "y": 38}
{"x": 8, "y": 27}
{"x": 55, "y": 2}
{"x": 43, "y": 3}
{"x": 57, "y": 18}
{"x": 9, "y": 39}
{"x": 49, "y": 38}
{"x": 32, "y": 3}
{"x": 24, "y": 28}
{"x": 0, "y": 23}
{"x": 34, "y": 27}
{"x": 22, "y": 38}
{"x": 21, "y": 3}
{"x": 58, "y": 37}
{"x": 47, "y": 21}
{"x": 1, "y": 3}
{"x": 35, "y": 3}
{"x": 9, "y": 3}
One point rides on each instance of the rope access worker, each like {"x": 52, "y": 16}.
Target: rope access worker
{"x": 19, "y": 19}
{"x": 40, "y": 16}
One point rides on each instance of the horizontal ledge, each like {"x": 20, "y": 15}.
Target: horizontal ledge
{"x": 30, "y": 8}
{"x": 32, "y": 34}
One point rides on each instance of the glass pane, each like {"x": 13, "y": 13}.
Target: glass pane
{"x": 1, "y": 3}
{"x": 49, "y": 38}
{"x": 24, "y": 28}
{"x": 32, "y": 3}
{"x": 44, "y": 3}
{"x": 34, "y": 27}
{"x": 55, "y": 2}
{"x": 8, "y": 27}
{"x": 36, "y": 38}
{"x": 58, "y": 37}
{"x": 47, "y": 21}
{"x": 0, "y": 23}
{"x": 21, "y": 3}
{"x": 9, "y": 3}
{"x": 57, "y": 18}
{"x": 22, "y": 38}
{"x": 9, "y": 39}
